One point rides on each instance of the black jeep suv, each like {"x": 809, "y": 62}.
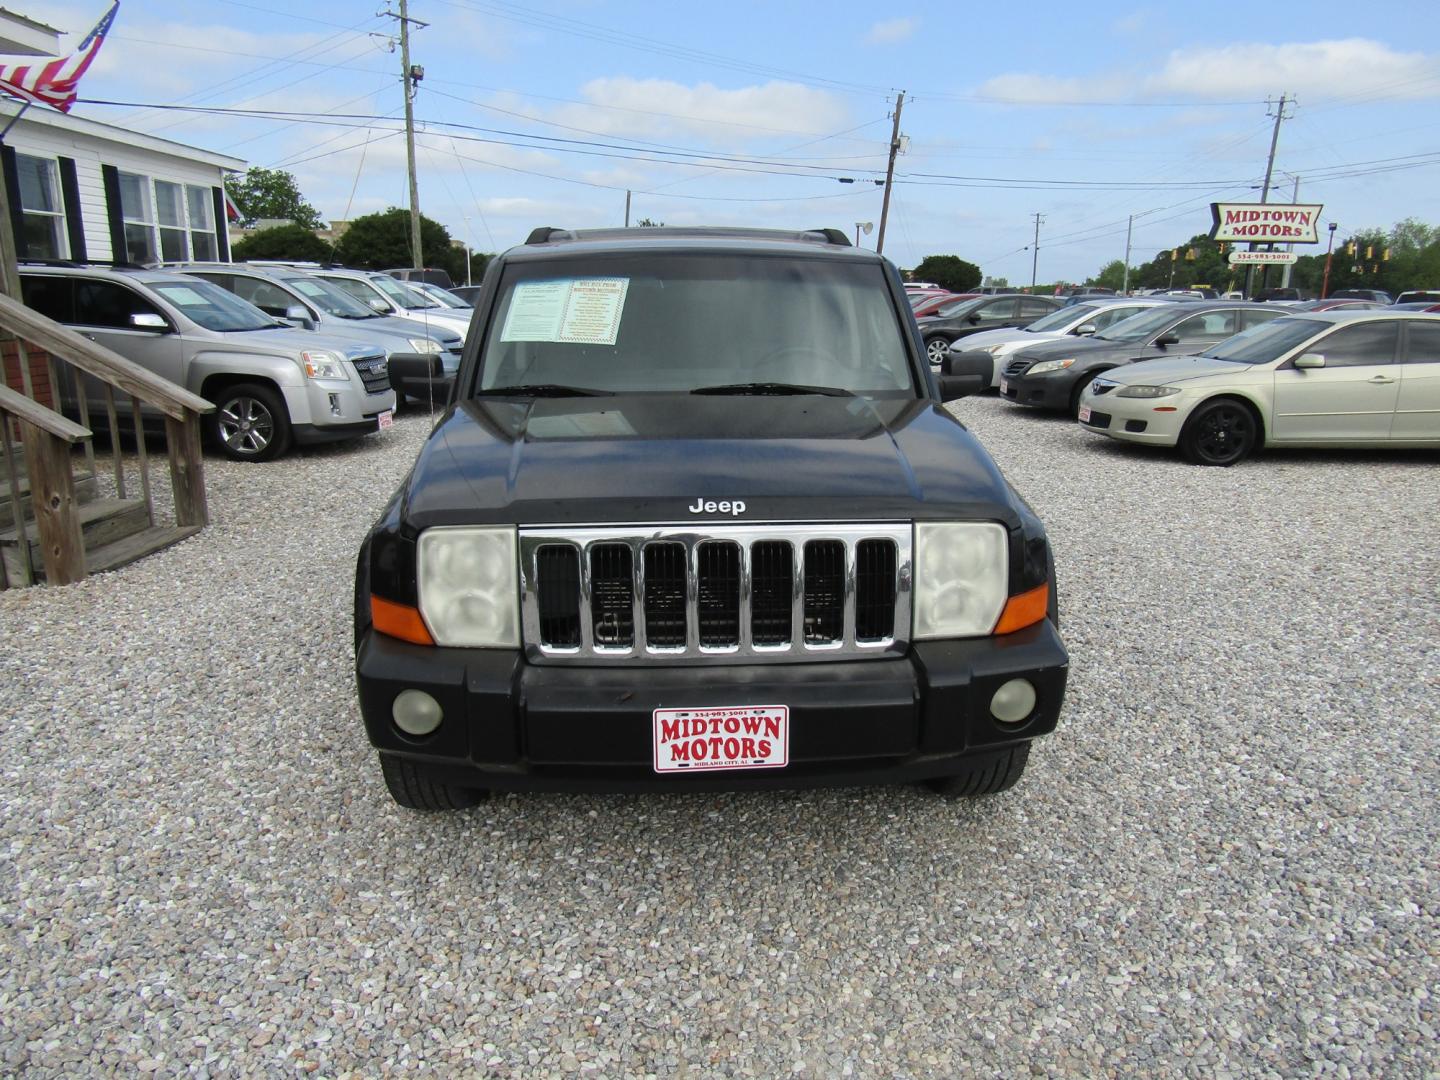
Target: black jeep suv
{"x": 696, "y": 519}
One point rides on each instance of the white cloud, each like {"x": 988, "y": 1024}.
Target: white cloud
{"x": 1319, "y": 70}
{"x": 890, "y": 31}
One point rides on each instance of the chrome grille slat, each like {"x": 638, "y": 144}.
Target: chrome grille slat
{"x": 725, "y": 577}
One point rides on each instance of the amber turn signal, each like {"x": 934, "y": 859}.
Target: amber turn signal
{"x": 1026, "y": 609}
{"x": 399, "y": 621}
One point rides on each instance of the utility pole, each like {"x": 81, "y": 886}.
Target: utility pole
{"x": 1129, "y": 228}
{"x": 1035, "y": 250}
{"x": 1265, "y": 191}
{"x": 890, "y": 169}
{"x": 410, "y": 76}
{"x": 1294, "y": 198}
{"x": 627, "y": 208}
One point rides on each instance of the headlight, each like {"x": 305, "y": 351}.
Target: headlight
{"x": 961, "y": 578}
{"x": 1147, "y": 391}
{"x": 324, "y": 365}
{"x": 425, "y": 346}
{"x": 1050, "y": 365}
{"x": 469, "y": 592}
{"x": 994, "y": 350}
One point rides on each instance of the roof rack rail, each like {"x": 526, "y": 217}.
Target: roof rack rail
{"x": 71, "y": 264}
{"x": 548, "y": 234}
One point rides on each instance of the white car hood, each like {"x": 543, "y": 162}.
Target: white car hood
{"x": 1006, "y": 336}
{"x": 1169, "y": 370}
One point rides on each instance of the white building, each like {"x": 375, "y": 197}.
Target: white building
{"x": 87, "y": 191}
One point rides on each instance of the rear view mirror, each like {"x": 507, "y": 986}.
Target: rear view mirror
{"x": 1085, "y": 329}
{"x": 1310, "y": 360}
{"x": 1167, "y": 339}
{"x": 974, "y": 318}
{"x": 149, "y": 321}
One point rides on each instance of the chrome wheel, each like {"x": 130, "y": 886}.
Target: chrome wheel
{"x": 246, "y": 426}
{"x": 935, "y": 349}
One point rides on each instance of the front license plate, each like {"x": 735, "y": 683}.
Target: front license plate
{"x": 387, "y": 419}
{"x": 1004, "y": 387}
{"x": 1084, "y": 414}
{"x": 717, "y": 740}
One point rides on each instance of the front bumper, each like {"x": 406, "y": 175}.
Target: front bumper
{"x": 1141, "y": 420}
{"x": 1049, "y": 391}
{"x": 511, "y": 725}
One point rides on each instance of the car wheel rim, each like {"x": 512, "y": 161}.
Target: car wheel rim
{"x": 937, "y": 350}
{"x": 246, "y": 425}
{"x": 1223, "y": 434}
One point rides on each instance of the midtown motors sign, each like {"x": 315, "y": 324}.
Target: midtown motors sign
{"x": 1266, "y": 223}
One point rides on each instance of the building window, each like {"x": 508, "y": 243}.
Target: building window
{"x": 43, "y": 212}
{"x": 166, "y": 221}
{"x": 203, "y": 245}
{"x": 137, "y": 206}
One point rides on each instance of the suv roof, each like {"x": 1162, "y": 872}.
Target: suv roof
{"x": 548, "y": 234}
{"x": 143, "y": 274}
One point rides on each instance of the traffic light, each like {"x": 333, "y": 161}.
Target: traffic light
{"x": 1221, "y": 247}
{"x": 1350, "y": 249}
{"x": 1190, "y": 255}
{"x": 1174, "y": 254}
{"x": 1385, "y": 256}
{"x": 1369, "y": 251}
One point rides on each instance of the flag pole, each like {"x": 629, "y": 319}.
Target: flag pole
{"x": 23, "y": 106}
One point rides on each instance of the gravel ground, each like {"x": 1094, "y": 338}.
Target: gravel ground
{"x": 1221, "y": 864}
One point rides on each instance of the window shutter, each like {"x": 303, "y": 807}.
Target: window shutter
{"x": 222, "y": 224}
{"x": 74, "y": 212}
{"x": 111, "y": 176}
{"x": 12, "y": 194}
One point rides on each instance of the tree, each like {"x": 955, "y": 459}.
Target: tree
{"x": 291, "y": 242}
{"x": 646, "y": 223}
{"x": 271, "y": 193}
{"x": 382, "y": 241}
{"x": 948, "y": 271}
{"x": 1112, "y": 276}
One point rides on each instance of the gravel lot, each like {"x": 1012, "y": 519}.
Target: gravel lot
{"x": 1222, "y": 863}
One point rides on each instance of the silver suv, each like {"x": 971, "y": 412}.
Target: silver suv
{"x": 271, "y": 384}
{"x": 423, "y": 360}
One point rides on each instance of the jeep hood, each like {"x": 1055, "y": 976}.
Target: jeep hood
{"x": 290, "y": 343}
{"x": 650, "y": 457}
{"x": 1167, "y": 370}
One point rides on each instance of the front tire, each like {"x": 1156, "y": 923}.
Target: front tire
{"x": 413, "y": 790}
{"x": 987, "y": 774}
{"x": 935, "y": 350}
{"x": 250, "y": 423}
{"x": 1219, "y": 433}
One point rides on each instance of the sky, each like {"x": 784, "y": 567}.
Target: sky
{"x": 742, "y": 113}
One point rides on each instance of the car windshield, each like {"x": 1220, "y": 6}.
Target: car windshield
{"x": 1266, "y": 342}
{"x": 406, "y": 298}
{"x": 1061, "y": 318}
{"x": 634, "y": 323}
{"x": 1139, "y": 327}
{"x": 331, "y": 300}
{"x": 212, "y": 307}
{"x": 441, "y": 296}
{"x": 964, "y": 307}
{"x": 360, "y": 290}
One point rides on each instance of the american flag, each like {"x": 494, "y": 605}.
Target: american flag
{"x": 54, "y": 82}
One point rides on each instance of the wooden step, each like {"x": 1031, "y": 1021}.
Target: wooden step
{"x": 87, "y": 489}
{"x": 136, "y": 546}
{"x": 102, "y": 522}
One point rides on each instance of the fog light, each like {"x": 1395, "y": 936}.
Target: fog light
{"x": 1012, "y": 703}
{"x": 335, "y": 405}
{"x": 417, "y": 713}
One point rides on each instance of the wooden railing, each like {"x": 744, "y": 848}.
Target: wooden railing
{"x": 53, "y": 363}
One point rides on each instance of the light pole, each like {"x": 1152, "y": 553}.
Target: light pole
{"x": 866, "y": 226}
{"x": 1329, "y": 254}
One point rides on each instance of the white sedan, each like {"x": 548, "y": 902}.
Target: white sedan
{"x": 1359, "y": 379}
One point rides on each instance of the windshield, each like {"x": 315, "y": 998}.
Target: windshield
{"x": 212, "y": 307}
{"x": 1147, "y": 323}
{"x": 360, "y": 290}
{"x": 961, "y": 308}
{"x": 1266, "y": 342}
{"x": 676, "y": 323}
{"x": 406, "y": 298}
{"x": 1062, "y": 318}
{"x": 330, "y": 299}
{"x": 441, "y": 296}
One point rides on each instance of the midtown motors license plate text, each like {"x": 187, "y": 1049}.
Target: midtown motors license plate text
{"x": 705, "y": 740}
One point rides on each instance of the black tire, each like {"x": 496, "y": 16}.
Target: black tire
{"x": 250, "y": 423}
{"x": 1219, "y": 432}
{"x": 987, "y": 774}
{"x": 1084, "y": 381}
{"x": 413, "y": 790}
{"x": 935, "y": 350}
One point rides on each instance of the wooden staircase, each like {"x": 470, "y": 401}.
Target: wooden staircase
{"x": 60, "y": 518}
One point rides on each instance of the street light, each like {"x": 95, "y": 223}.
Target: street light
{"x": 867, "y": 226}
{"x": 1329, "y": 254}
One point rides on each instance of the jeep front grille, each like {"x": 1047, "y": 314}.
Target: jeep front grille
{"x": 374, "y": 372}
{"x": 757, "y": 592}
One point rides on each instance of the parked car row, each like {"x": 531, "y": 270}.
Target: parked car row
{"x": 289, "y": 354}
{"x": 1220, "y": 379}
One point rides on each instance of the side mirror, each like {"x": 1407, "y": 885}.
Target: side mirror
{"x": 148, "y": 321}
{"x": 953, "y": 387}
{"x": 298, "y": 315}
{"x": 973, "y": 318}
{"x": 1167, "y": 339}
{"x": 380, "y": 305}
{"x": 1310, "y": 360}
{"x": 1085, "y": 329}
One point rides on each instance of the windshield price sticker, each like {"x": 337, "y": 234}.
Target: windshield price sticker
{"x": 711, "y": 740}
{"x": 582, "y": 311}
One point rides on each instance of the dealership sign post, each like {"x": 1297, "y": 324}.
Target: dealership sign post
{"x": 1265, "y": 223}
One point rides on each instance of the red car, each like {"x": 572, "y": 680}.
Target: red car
{"x": 932, "y": 304}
